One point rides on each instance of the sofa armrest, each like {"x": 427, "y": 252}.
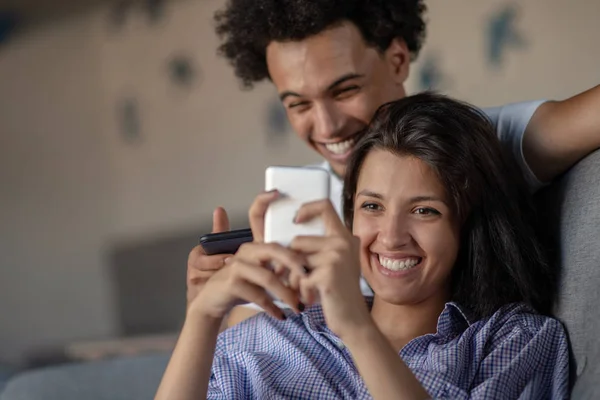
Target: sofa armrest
{"x": 118, "y": 379}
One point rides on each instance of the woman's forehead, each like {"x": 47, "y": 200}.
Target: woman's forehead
{"x": 393, "y": 175}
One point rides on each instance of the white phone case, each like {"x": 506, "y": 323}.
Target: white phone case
{"x": 299, "y": 185}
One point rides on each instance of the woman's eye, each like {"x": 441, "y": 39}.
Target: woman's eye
{"x": 426, "y": 211}
{"x": 370, "y": 207}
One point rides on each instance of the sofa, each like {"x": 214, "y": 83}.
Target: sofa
{"x": 569, "y": 211}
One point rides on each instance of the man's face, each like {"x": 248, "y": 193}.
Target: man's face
{"x": 331, "y": 85}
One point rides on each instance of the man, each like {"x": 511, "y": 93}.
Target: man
{"x": 335, "y": 62}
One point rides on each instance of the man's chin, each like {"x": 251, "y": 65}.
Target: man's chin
{"x": 338, "y": 168}
{"x": 337, "y": 162}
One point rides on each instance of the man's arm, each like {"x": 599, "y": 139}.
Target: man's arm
{"x": 561, "y": 133}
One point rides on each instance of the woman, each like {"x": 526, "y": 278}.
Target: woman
{"x": 441, "y": 235}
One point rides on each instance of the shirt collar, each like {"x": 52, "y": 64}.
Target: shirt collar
{"x": 453, "y": 320}
{"x": 326, "y": 166}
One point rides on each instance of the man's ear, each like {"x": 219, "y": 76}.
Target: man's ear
{"x": 398, "y": 58}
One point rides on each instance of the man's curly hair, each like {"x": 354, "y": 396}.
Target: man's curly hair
{"x": 248, "y": 26}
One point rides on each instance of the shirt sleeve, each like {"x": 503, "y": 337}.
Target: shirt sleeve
{"x": 227, "y": 376}
{"x": 525, "y": 364}
{"x": 510, "y": 122}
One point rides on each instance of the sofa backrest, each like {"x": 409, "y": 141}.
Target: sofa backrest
{"x": 570, "y": 213}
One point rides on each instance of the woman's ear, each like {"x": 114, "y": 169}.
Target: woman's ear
{"x": 398, "y": 58}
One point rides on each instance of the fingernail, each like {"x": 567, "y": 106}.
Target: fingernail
{"x": 226, "y": 260}
{"x": 301, "y": 306}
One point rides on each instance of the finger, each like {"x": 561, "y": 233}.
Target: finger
{"x": 198, "y": 260}
{"x": 323, "y": 209}
{"x": 279, "y": 269}
{"x": 307, "y": 292}
{"x": 314, "y": 244}
{"x": 281, "y": 272}
{"x": 323, "y": 263}
{"x": 220, "y": 220}
{"x": 256, "y": 214}
{"x": 272, "y": 253}
{"x": 266, "y": 279}
{"x": 294, "y": 278}
{"x": 197, "y": 275}
{"x": 257, "y": 295}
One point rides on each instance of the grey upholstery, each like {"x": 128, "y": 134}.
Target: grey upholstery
{"x": 571, "y": 210}
{"x": 120, "y": 379}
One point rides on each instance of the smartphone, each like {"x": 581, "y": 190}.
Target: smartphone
{"x": 225, "y": 242}
{"x": 298, "y": 185}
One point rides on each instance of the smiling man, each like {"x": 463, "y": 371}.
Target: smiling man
{"x": 334, "y": 63}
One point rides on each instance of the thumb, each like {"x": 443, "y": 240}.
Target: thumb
{"x": 220, "y": 220}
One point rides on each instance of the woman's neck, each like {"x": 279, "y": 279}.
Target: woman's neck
{"x": 402, "y": 323}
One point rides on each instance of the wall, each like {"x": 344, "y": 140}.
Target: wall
{"x": 208, "y": 146}
{"x": 199, "y": 147}
{"x": 57, "y": 190}
{"x": 556, "y": 57}
{"x": 72, "y": 187}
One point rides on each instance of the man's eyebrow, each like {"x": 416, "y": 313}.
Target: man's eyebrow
{"x": 288, "y": 93}
{"x": 343, "y": 79}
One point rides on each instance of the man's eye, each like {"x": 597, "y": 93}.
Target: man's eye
{"x": 345, "y": 91}
{"x": 298, "y": 104}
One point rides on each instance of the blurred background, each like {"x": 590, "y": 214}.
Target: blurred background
{"x": 121, "y": 130}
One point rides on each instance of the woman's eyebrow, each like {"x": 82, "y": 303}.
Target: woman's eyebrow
{"x": 369, "y": 193}
{"x": 419, "y": 199}
{"x": 415, "y": 199}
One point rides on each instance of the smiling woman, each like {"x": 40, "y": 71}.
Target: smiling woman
{"x": 453, "y": 167}
{"x": 440, "y": 231}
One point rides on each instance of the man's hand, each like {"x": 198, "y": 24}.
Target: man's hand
{"x": 200, "y": 267}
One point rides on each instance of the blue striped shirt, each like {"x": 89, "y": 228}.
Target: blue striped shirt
{"x": 514, "y": 354}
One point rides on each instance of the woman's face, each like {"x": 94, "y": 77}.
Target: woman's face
{"x": 408, "y": 232}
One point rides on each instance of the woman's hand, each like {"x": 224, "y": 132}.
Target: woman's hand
{"x": 334, "y": 266}
{"x": 256, "y": 270}
{"x": 247, "y": 278}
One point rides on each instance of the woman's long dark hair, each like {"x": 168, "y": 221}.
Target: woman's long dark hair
{"x": 499, "y": 261}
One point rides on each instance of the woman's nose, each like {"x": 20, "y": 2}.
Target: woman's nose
{"x": 394, "y": 233}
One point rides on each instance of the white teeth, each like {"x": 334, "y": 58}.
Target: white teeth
{"x": 398, "y": 265}
{"x": 341, "y": 147}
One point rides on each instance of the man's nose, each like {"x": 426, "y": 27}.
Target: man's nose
{"x": 328, "y": 121}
